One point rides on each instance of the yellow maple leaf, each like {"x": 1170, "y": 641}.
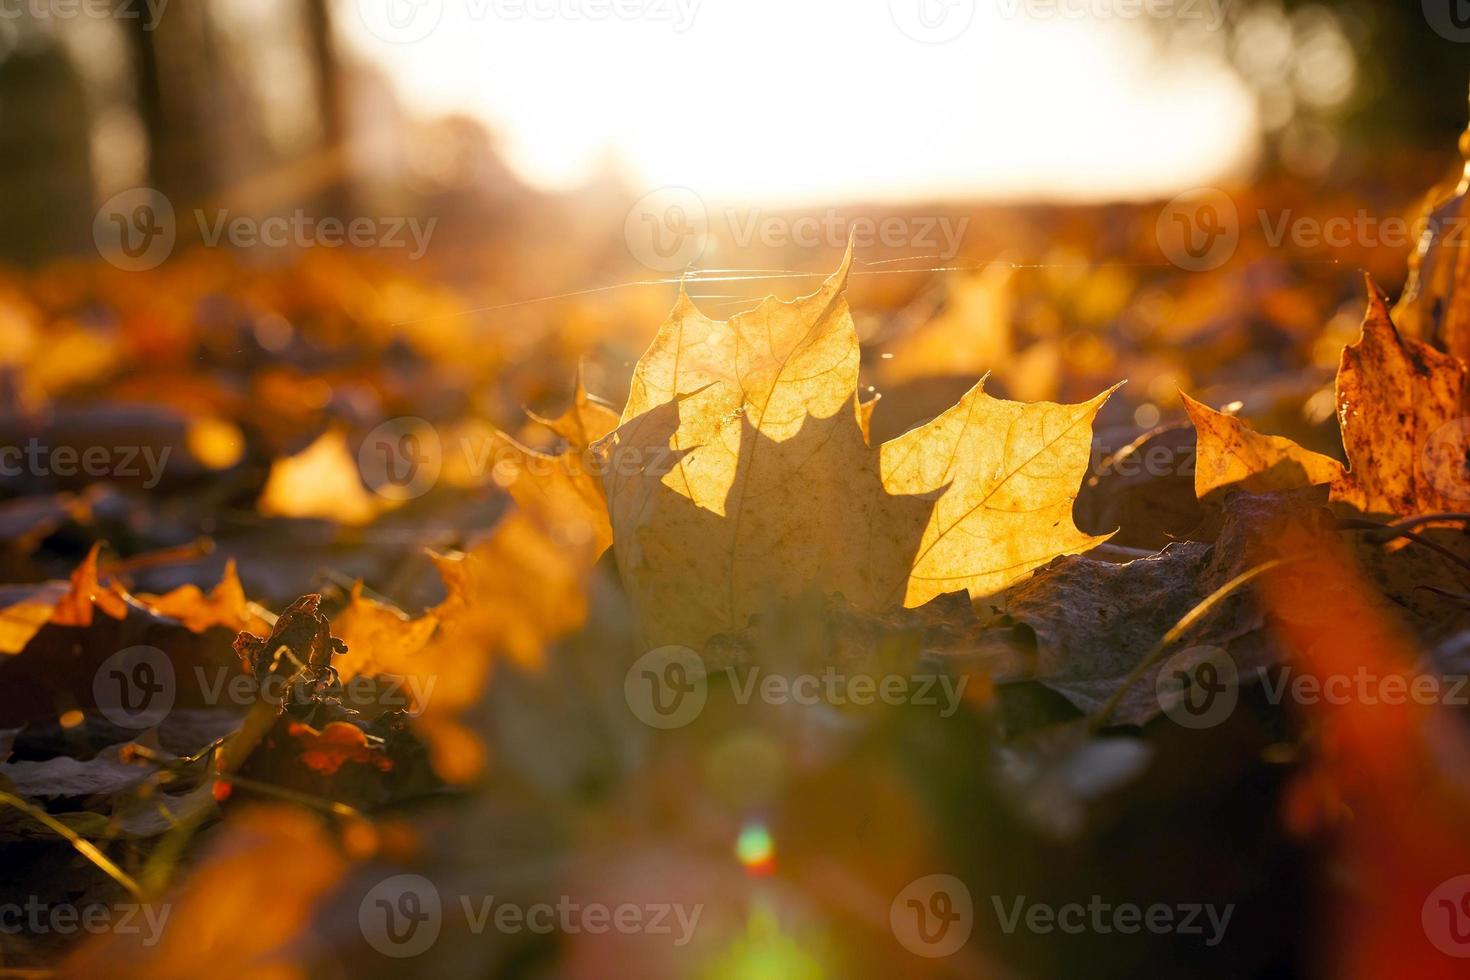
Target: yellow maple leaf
{"x": 1006, "y": 474}
{"x": 1232, "y": 454}
{"x": 741, "y": 474}
{"x": 562, "y": 491}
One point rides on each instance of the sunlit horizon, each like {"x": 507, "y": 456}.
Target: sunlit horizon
{"x": 1010, "y": 109}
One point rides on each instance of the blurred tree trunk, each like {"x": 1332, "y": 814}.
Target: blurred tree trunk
{"x": 46, "y": 202}
{"x": 177, "y": 131}
{"x": 335, "y": 199}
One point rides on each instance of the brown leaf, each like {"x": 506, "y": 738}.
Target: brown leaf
{"x": 1402, "y": 406}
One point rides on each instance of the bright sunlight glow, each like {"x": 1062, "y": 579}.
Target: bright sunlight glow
{"x": 800, "y": 101}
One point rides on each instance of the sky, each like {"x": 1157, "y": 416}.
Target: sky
{"x": 807, "y": 101}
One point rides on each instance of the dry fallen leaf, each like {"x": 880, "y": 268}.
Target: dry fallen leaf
{"x": 585, "y": 421}
{"x": 741, "y": 475}
{"x": 563, "y": 492}
{"x": 64, "y": 604}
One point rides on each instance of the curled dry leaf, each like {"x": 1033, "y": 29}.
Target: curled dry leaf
{"x": 741, "y": 475}
{"x": 86, "y": 594}
{"x": 1435, "y": 306}
{"x": 336, "y": 744}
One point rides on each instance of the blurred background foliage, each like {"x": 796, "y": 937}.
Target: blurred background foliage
{"x": 261, "y": 105}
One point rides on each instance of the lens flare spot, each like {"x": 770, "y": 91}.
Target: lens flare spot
{"x": 755, "y": 849}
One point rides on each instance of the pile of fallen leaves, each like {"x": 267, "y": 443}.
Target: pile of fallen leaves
{"x": 1103, "y": 618}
